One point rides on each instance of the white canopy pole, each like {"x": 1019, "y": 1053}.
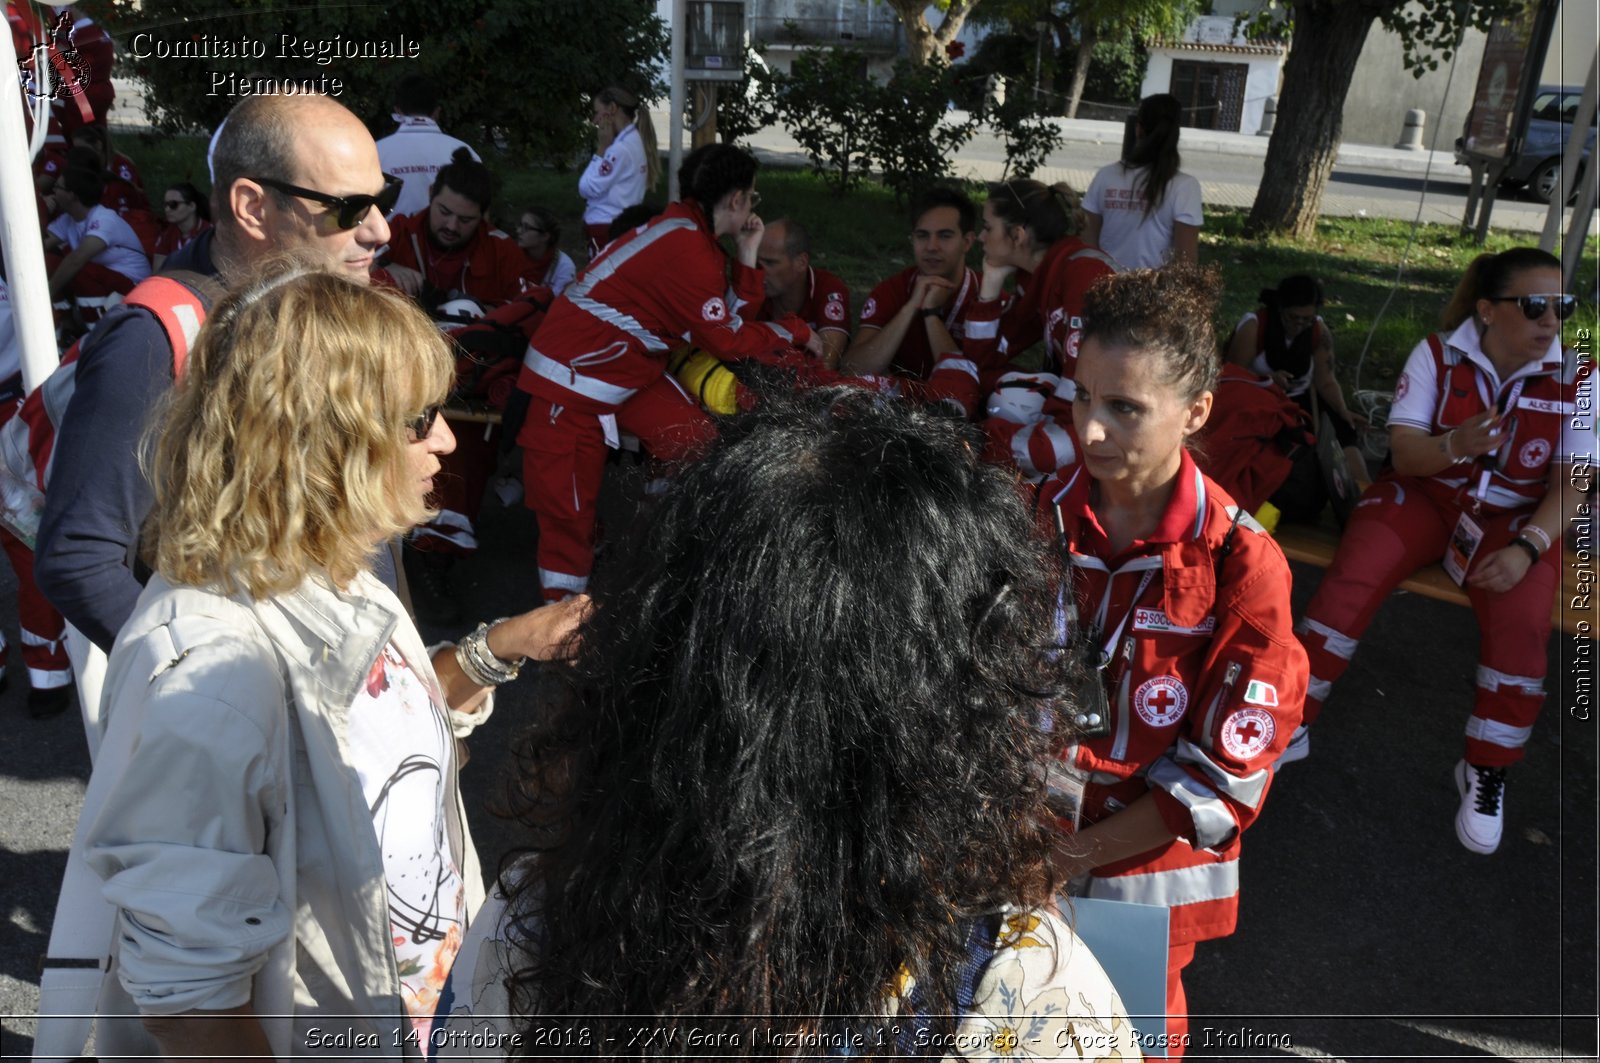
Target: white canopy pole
{"x": 23, "y": 245}
{"x": 680, "y": 48}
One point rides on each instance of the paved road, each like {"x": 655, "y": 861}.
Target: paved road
{"x": 1367, "y": 182}
{"x": 1367, "y": 932}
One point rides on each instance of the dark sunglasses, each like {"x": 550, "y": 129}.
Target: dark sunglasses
{"x": 352, "y": 210}
{"x": 523, "y": 227}
{"x": 421, "y": 426}
{"x": 174, "y": 203}
{"x": 1534, "y": 306}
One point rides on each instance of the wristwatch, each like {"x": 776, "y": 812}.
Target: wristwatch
{"x": 929, "y": 311}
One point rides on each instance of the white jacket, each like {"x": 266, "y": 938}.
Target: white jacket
{"x": 233, "y": 838}
{"x": 615, "y": 181}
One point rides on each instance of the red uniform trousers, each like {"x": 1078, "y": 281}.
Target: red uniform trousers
{"x": 564, "y": 455}
{"x": 1178, "y": 957}
{"x": 1401, "y": 524}
{"x": 44, "y": 651}
{"x": 458, "y": 490}
{"x": 91, "y": 290}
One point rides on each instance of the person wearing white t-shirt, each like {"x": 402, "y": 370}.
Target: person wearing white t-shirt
{"x": 1142, "y": 211}
{"x": 418, "y": 149}
{"x": 625, "y": 167}
{"x": 94, "y": 254}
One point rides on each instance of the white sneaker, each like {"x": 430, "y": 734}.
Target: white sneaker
{"x": 1481, "y": 818}
{"x": 1299, "y": 747}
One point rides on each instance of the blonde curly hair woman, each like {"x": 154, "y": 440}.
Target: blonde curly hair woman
{"x": 284, "y": 839}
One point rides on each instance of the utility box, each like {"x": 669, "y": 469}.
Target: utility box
{"x": 716, "y": 40}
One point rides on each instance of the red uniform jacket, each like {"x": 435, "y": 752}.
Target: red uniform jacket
{"x": 1047, "y": 305}
{"x": 490, "y": 267}
{"x": 1248, "y": 443}
{"x": 915, "y": 357}
{"x": 659, "y": 288}
{"x": 826, "y": 306}
{"x": 1205, "y": 685}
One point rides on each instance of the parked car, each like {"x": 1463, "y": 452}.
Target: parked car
{"x": 1537, "y": 167}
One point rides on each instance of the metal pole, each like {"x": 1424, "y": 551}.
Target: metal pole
{"x": 680, "y": 31}
{"x": 1571, "y": 160}
{"x": 1582, "y": 213}
{"x": 23, "y": 246}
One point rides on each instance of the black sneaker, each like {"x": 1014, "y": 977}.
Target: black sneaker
{"x": 51, "y": 701}
{"x": 431, "y": 596}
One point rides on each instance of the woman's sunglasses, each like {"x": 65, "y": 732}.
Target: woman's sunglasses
{"x": 421, "y": 426}
{"x": 350, "y": 210}
{"x": 174, "y": 204}
{"x": 1534, "y": 306}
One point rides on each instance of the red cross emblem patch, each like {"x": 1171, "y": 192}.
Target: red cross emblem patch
{"x": 714, "y": 310}
{"x": 833, "y": 309}
{"x": 1247, "y": 733}
{"x": 1160, "y": 702}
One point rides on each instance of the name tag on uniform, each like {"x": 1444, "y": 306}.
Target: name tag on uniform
{"x": 1464, "y": 543}
{"x": 1565, "y": 409}
{"x": 1156, "y": 620}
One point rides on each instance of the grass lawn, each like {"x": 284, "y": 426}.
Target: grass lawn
{"x": 865, "y": 237}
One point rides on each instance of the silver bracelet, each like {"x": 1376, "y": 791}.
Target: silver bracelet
{"x": 480, "y": 663}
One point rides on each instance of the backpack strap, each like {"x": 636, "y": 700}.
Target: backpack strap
{"x": 982, "y": 935}
{"x": 179, "y": 299}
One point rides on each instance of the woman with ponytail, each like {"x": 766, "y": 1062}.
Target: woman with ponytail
{"x": 1142, "y": 210}
{"x": 1492, "y": 441}
{"x": 626, "y": 164}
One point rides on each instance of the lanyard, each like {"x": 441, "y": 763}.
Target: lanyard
{"x": 1489, "y": 463}
{"x": 1105, "y": 604}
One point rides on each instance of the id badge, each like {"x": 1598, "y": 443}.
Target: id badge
{"x": 1464, "y": 543}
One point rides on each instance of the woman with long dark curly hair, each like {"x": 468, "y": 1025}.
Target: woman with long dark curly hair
{"x": 796, "y": 802}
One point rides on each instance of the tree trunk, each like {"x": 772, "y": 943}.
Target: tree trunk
{"x": 1080, "y": 68}
{"x": 1328, "y": 38}
{"x": 923, "y": 42}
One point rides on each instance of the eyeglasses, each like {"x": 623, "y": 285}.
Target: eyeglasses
{"x": 755, "y": 199}
{"x": 174, "y": 204}
{"x": 1534, "y": 306}
{"x": 524, "y": 227}
{"x": 421, "y": 426}
{"x": 1299, "y": 321}
{"x": 352, "y": 210}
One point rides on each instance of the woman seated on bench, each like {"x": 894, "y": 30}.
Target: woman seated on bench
{"x": 1482, "y": 436}
{"x": 1286, "y": 340}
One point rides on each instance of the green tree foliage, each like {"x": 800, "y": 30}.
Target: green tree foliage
{"x": 828, "y": 103}
{"x": 509, "y": 72}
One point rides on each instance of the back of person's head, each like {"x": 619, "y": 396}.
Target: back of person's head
{"x": 1487, "y": 277}
{"x": 639, "y": 115}
{"x": 283, "y": 451}
{"x": 1166, "y": 313}
{"x": 945, "y": 196}
{"x": 416, "y": 95}
{"x": 711, "y": 171}
{"x": 190, "y": 194}
{"x": 1160, "y": 124}
{"x": 1297, "y": 289}
{"x": 1049, "y": 212}
{"x": 86, "y": 184}
{"x": 465, "y": 176}
{"x": 255, "y": 140}
{"x": 803, "y": 750}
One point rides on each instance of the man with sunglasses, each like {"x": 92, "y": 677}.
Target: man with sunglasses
{"x": 451, "y": 251}
{"x": 289, "y": 173}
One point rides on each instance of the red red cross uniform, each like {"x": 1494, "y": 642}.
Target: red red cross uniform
{"x": 1205, "y": 685}
{"x": 1405, "y": 522}
{"x": 827, "y": 303}
{"x": 598, "y": 364}
{"x": 915, "y": 359}
{"x": 489, "y": 267}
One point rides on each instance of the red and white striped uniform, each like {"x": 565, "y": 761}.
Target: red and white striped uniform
{"x": 1405, "y": 522}
{"x": 597, "y": 366}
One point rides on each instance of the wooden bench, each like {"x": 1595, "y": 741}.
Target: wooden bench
{"x": 1575, "y": 607}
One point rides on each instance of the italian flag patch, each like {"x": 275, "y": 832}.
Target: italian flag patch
{"x": 1259, "y": 693}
